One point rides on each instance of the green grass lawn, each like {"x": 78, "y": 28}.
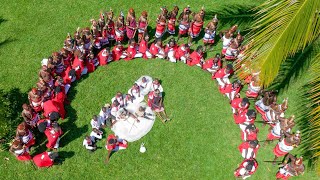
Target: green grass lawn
{"x": 199, "y": 143}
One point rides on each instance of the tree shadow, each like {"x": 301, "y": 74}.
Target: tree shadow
{"x": 2, "y": 20}
{"x": 63, "y": 155}
{"x": 293, "y": 68}
{"x": 6, "y": 41}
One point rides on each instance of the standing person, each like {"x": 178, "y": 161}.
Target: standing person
{"x": 210, "y": 33}
{"x": 285, "y": 145}
{"x": 114, "y": 144}
{"x": 110, "y": 25}
{"x": 184, "y": 22}
{"x": 294, "y": 167}
{"x": 142, "y": 25}
{"x": 196, "y": 25}
{"x": 246, "y": 168}
{"x": 53, "y": 134}
{"x": 131, "y": 24}
{"x": 45, "y": 159}
{"x": 120, "y": 28}
{"x": 282, "y": 125}
{"x": 161, "y": 23}
{"x": 172, "y": 20}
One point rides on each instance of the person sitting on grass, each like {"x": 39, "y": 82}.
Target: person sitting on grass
{"x": 155, "y": 101}
{"x": 156, "y": 49}
{"x": 196, "y": 57}
{"x": 45, "y": 159}
{"x": 212, "y": 65}
{"x": 89, "y": 143}
{"x": 20, "y": 151}
{"x": 114, "y": 144}
{"x": 246, "y": 168}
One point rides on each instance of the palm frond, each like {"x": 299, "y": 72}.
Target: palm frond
{"x": 281, "y": 29}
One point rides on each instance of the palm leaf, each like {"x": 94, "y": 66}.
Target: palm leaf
{"x": 281, "y": 29}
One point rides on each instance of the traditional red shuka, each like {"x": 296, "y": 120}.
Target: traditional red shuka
{"x": 243, "y": 118}
{"x": 228, "y": 88}
{"x": 154, "y": 50}
{"x": 209, "y": 63}
{"x": 195, "y": 28}
{"x": 59, "y": 99}
{"x": 132, "y": 50}
{"x": 236, "y": 104}
{"x": 143, "y": 47}
{"x": 117, "y": 52}
{"x": 246, "y": 146}
{"x": 181, "y": 51}
{"x": 52, "y": 106}
{"x": 103, "y": 57}
{"x": 249, "y": 135}
{"x": 168, "y": 48}
{"x": 52, "y": 136}
{"x": 78, "y": 65}
{"x": 24, "y": 156}
{"x": 240, "y": 171}
{"x": 43, "y": 160}
{"x": 195, "y": 58}
{"x": 221, "y": 73}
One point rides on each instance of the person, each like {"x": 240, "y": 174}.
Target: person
{"x": 95, "y": 123}
{"x": 24, "y": 134}
{"x": 249, "y": 149}
{"x": 59, "y": 97}
{"x": 250, "y": 133}
{"x": 142, "y": 25}
{"x": 196, "y": 25}
{"x": 161, "y": 23}
{"x": 286, "y": 144}
{"x": 212, "y": 65}
{"x": 118, "y": 52}
{"x": 184, "y": 22}
{"x": 171, "y": 49}
{"x": 171, "y": 28}
{"x": 222, "y": 75}
{"x": 105, "y": 115}
{"x": 53, "y": 134}
{"x": 156, "y": 85}
{"x": 183, "y": 53}
{"x": 89, "y": 143}
{"x": 245, "y": 118}
{"x": 239, "y": 105}
{"x": 114, "y": 144}
{"x": 155, "y": 102}
{"x": 135, "y": 91}
{"x": 268, "y": 98}
{"x": 275, "y": 112}
{"x": 110, "y": 25}
{"x": 35, "y": 99}
{"x": 246, "y": 168}
{"x": 120, "y": 28}
{"x": 231, "y": 90}
{"x": 96, "y": 133}
{"x": 196, "y": 57}
{"x": 104, "y": 56}
{"x": 45, "y": 74}
{"x": 254, "y": 88}
{"x": 144, "y": 84}
{"x": 132, "y": 50}
{"x": 226, "y": 40}
{"x": 45, "y": 159}
{"x": 123, "y": 114}
{"x": 115, "y": 106}
{"x": 156, "y": 49}
{"x": 131, "y": 24}
{"x": 141, "y": 112}
{"x": 29, "y": 115}
{"x": 20, "y": 151}
{"x": 128, "y": 100}
{"x": 119, "y": 98}
{"x": 282, "y": 125}
{"x": 52, "y": 106}
{"x": 92, "y": 62}
{"x": 292, "y": 166}
{"x": 210, "y": 33}
{"x": 143, "y": 47}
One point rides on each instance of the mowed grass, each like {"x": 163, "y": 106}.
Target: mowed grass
{"x": 199, "y": 143}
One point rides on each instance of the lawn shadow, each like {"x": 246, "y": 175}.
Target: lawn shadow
{"x": 63, "y": 155}
{"x": 6, "y": 41}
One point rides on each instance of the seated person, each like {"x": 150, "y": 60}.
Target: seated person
{"x": 25, "y": 135}
{"x": 20, "y": 151}
{"x": 45, "y": 159}
{"x": 114, "y": 144}
{"x": 183, "y": 53}
{"x": 246, "y": 168}
{"x": 128, "y": 100}
{"x": 95, "y": 123}
{"x": 132, "y": 51}
{"x": 144, "y": 83}
{"x": 143, "y": 47}
{"x": 212, "y": 65}
{"x": 156, "y": 49}
{"x": 231, "y": 90}
{"x": 222, "y": 75}
{"x": 155, "y": 101}
{"x": 196, "y": 57}
{"x": 123, "y": 114}
{"x": 96, "y": 133}
{"x": 118, "y": 52}
{"x": 141, "y": 112}
{"x": 89, "y": 143}
{"x": 170, "y": 50}
{"x": 156, "y": 85}
{"x": 119, "y": 98}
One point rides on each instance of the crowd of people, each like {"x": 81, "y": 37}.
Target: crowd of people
{"x": 102, "y": 43}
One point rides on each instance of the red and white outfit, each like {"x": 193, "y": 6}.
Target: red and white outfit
{"x": 284, "y": 173}
{"x": 181, "y": 53}
{"x": 195, "y": 59}
{"x": 275, "y": 132}
{"x": 211, "y": 66}
{"x": 79, "y": 67}
{"x": 253, "y": 91}
{"x": 120, "y": 144}
{"x": 143, "y": 48}
{"x": 231, "y": 54}
{"x": 242, "y": 172}
{"x": 104, "y": 57}
{"x": 261, "y": 108}
{"x": 132, "y": 52}
{"x": 43, "y": 160}
{"x": 155, "y": 51}
{"x": 222, "y": 77}
{"x": 230, "y": 91}
{"x": 243, "y": 120}
{"x": 249, "y": 135}
{"x": 282, "y": 148}
{"x": 118, "y": 53}
{"x": 120, "y": 33}
{"x": 195, "y": 29}
{"x": 53, "y": 137}
{"x": 52, "y": 106}
{"x": 171, "y": 52}
{"x": 160, "y": 29}
{"x": 209, "y": 36}
{"x": 22, "y": 154}
{"x": 28, "y": 139}
{"x": 225, "y": 44}
{"x": 172, "y": 26}
{"x": 104, "y": 40}
{"x": 88, "y": 144}
{"x": 111, "y": 31}
{"x": 248, "y": 152}
{"x": 236, "y": 105}
{"x": 183, "y": 27}
{"x": 142, "y": 27}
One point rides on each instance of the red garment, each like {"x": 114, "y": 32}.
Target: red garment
{"x": 285, "y": 176}
{"x": 196, "y": 28}
{"x": 180, "y": 52}
{"x": 90, "y": 66}
{"x": 278, "y": 152}
{"x": 245, "y": 145}
{"x": 242, "y": 165}
{"x": 116, "y": 53}
{"x": 42, "y": 160}
{"x": 65, "y": 76}
{"x": 102, "y": 57}
{"x": 143, "y": 47}
{"x": 160, "y": 28}
{"x": 209, "y": 63}
{"x": 78, "y": 65}
{"x": 131, "y": 51}
{"x": 168, "y": 48}
{"x": 249, "y": 136}
{"x": 114, "y": 145}
{"x": 272, "y": 137}
{"x": 59, "y": 99}
{"x": 236, "y": 103}
{"x": 67, "y": 60}
{"x": 52, "y": 136}
{"x": 24, "y": 157}
{"x": 228, "y": 89}
{"x": 221, "y": 74}
{"x": 243, "y": 118}
{"x": 171, "y": 24}
{"x": 49, "y": 107}
{"x": 195, "y": 58}
{"x": 111, "y": 29}
{"x": 154, "y": 50}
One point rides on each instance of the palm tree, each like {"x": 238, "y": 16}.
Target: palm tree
{"x": 281, "y": 30}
